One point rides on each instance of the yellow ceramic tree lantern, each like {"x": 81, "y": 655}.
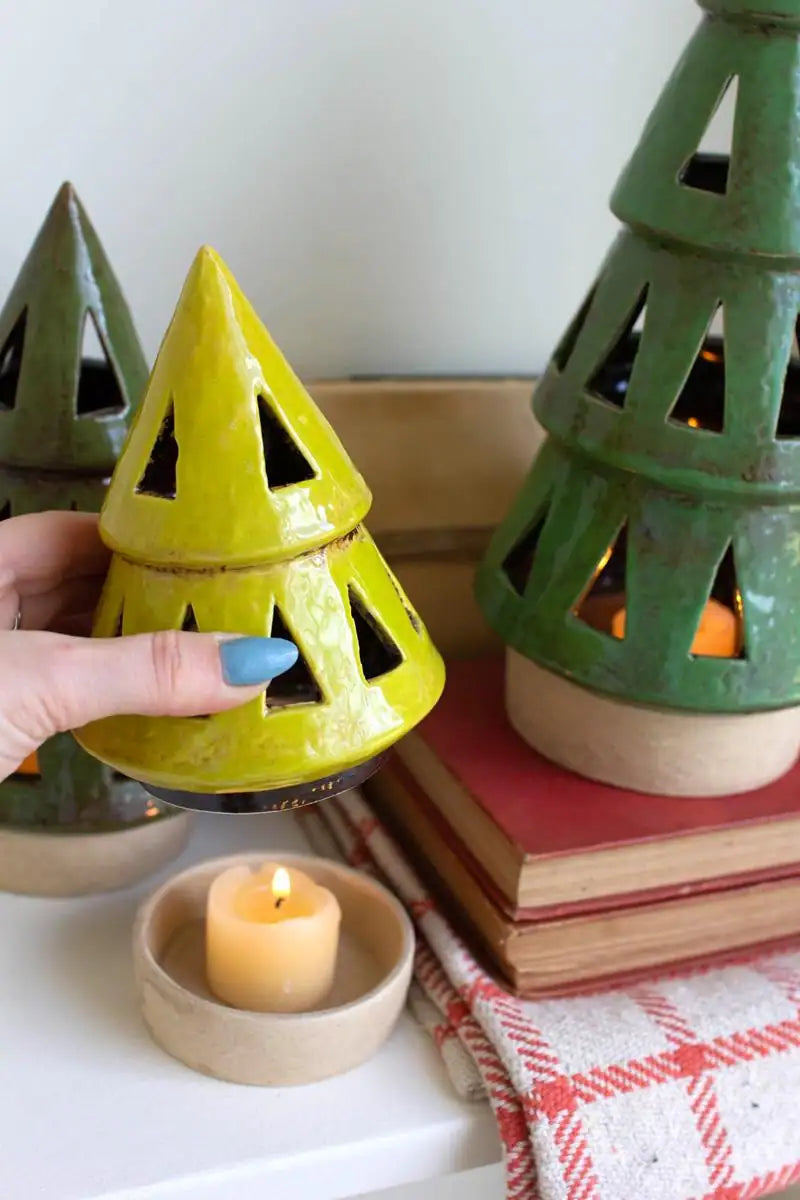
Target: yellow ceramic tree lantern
{"x": 234, "y": 508}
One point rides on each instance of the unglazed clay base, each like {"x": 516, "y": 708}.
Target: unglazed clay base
{"x": 76, "y": 864}
{"x": 275, "y": 1049}
{"x": 665, "y": 753}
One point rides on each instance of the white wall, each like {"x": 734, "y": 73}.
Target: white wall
{"x": 399, "y": 185}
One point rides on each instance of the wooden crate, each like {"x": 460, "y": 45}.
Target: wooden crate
{"x": 444, "y": 459}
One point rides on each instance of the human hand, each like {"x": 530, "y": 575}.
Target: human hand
{"x": 54, "y": 677}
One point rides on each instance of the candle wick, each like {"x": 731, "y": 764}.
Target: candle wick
{"x": 279, "y": 901}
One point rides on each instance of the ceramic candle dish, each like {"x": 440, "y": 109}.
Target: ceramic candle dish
{"x": 274, "y": 1049}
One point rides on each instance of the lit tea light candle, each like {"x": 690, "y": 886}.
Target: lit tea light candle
{"x": 718, "y": 635}
{"x": 272, "y": 937}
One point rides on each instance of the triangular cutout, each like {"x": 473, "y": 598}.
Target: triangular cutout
{"x": 789, "y": 413}
{"x": 189, "y": 625}
{"x": 189, "y": 622}
{"x": 602, "y": 603}
{"x": 284, "y": 462}
{"x": 416, "y": 624}
{"x": 99, "y": 392}
{"x": 708, "y": 168}
{"x": 611, "y": 378}
{"x": 29, "y": 768}
{"x": 518, "y": 562}
{"x": 568, "y": 342}
{"x": 377, "y": 652}
{"x": 297, "y": 685}
{"x": 701, "y": 401}
{"x": 11, "y": 361}
{"x": 92, "y": 345}
{"x": 160, "y": 474}
{"x": 5, "y": 511}
{"x": 720, "y": 633}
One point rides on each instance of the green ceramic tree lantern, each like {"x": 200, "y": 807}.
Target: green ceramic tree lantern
{"x": 68, "y": 824}
{"x": 646, "y": 582}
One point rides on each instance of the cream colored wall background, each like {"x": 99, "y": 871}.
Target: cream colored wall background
{"x": 400, "y": 185}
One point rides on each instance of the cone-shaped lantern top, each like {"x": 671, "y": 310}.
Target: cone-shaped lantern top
{"x": 773, "y": 12}
{"x": 59, "y": 411}
{"x": 747, "y": 202}
{"x": 229, "y": 461}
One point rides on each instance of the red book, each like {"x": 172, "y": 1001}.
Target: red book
{"x": 570, "y": 951}
{"x": 550, "y": 840}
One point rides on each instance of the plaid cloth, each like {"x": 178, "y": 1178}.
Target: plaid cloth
{"x": 430, "y": 1003}
{"x": 679, "y": 1089}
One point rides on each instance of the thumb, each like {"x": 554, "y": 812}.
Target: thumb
{"x": 52, "y": 683}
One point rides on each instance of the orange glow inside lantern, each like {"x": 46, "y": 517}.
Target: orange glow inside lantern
{"x": 718, "y": 634}
{"x": 30, "y": 766}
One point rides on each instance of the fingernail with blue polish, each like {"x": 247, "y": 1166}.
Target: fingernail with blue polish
{"x": 250, "y": 660}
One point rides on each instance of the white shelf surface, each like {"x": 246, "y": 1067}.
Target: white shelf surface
{"x": 90, "y": 1108}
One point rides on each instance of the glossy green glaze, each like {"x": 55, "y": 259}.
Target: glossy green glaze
{"x": 74, "y": 794}
{"x": 62, "y": 420}
{"x": 769, "y": 13}
{"x": 54, "y": 414}
{"x": 29, "y": 491}
{"x": 688, "y": 445}
{"x": 760, "y": 213}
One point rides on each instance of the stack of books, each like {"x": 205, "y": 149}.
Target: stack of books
{"x": 562, "y": 884}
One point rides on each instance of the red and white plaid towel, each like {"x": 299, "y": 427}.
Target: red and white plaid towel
{"x": 680, "y": 1089}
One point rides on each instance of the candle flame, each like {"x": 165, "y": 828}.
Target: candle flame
{"x": 281, "y": 884}
{"x": 693, "y": 423}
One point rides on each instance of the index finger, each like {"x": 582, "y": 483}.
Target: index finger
{"x": 40, "y": 549}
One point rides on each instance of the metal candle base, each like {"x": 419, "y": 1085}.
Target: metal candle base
{"x": 275, "y": 799}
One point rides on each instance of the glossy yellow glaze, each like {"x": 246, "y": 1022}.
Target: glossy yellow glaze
{"x": 302, "y": 548}
{"x": 254, "y": 747}
{"x": 214, "y": 362}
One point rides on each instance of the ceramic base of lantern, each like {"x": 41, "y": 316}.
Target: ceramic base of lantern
{"x": 649, "y": 750}
{"x": 37, "y": 863}
{"x": 272, "y": 1049}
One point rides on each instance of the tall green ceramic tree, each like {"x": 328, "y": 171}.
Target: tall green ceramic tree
{"x": 671, "y": 473}
{"x": 63, "y": 418}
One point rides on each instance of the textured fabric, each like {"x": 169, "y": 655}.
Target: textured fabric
{"x": 430, "y": 996}
{"x": 680, "y": 1089}
{"x": 464, "y": 1075}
